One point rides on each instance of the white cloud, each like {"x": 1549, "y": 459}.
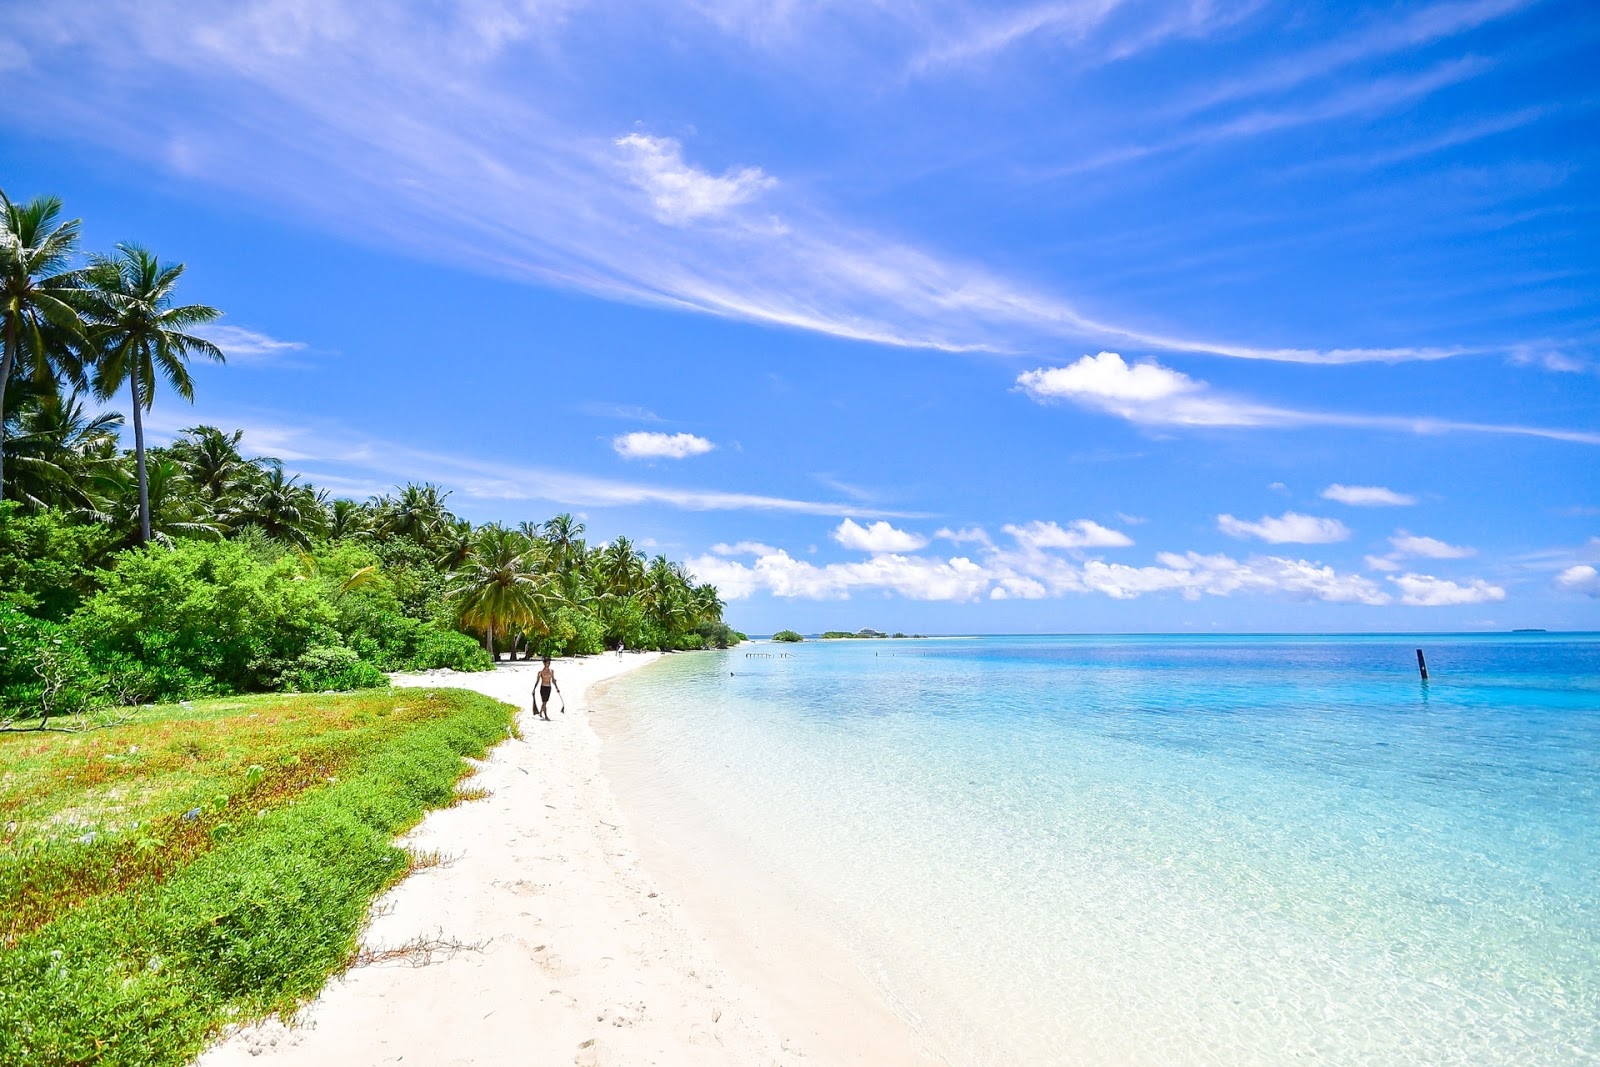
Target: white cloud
{"x": 248, "y": 346}
{"x": 1548, "y": 358}
{"x": 1580, "y": 578}
{"x": 1406, "y": 544}
{"x": 1152, "y": 395}
{"x": 324, "y": 451}
{"x": 1382, "y": 563}
{"x": 1082, "y": 534}
{"x": 644, "y": 444}
{"x": 679, "y": 192}
{"x": 1030, "y": 573}
{"x": 965, "y": 535}
{"x": 743, "y": 548}
{"x": 1367, "y": 496}
{"x": 878, "y": 537}
{"x": 1424, "y": 590}
{"x": 1290, "y": 528}
{"x": 376, "y": 122}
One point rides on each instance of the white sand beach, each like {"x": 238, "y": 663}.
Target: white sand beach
{"x": 573, "y": 952}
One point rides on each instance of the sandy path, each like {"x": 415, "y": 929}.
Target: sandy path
{"x": 581, "y": 959}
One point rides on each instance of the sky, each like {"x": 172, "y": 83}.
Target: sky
{"x": 1099, "y": 316}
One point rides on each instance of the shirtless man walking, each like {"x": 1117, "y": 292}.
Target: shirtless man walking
{"x": 547, "y": 678}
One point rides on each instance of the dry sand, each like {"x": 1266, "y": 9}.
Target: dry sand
{"x": 573, "y": 953}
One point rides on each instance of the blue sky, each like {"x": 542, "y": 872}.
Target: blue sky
{"x": 943, "y": 317}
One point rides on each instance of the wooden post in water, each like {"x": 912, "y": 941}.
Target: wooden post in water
{"x": 1422, "y": 665}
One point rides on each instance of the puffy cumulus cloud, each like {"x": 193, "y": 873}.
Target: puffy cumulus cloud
{"x": 681, "y": 193}
{"x": 878, "y": 537}
{"x": 1031, "y": 574}
{"x": 1579, "y": 578}
{"x": 1194, "y": 575}
{"x": 1079, "y": 533}
{"x": 644, "y": 444}
{"x": 1426, "y": 591}
{"x": 1367, "y": 496}
{"x": 1406, "y": 544}
{"x": 1290, "y": 528}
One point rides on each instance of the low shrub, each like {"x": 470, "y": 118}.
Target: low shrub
{"x": 336, "y": 668}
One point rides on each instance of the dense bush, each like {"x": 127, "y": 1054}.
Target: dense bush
{"x": 787, "y": 635}
{"x": 47, "y": 564}
{"x": 212, "y": 610}
{"x": 332, "y": 668}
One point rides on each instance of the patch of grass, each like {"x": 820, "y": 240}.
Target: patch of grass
{"x": 207, "y": 863}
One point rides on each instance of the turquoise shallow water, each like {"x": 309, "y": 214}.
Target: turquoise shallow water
{"x": 1184, "y": 850}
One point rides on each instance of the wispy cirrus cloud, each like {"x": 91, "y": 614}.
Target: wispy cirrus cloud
{"x": 1150, "y": 394}
{"x": 243, "y": 345}
{"x": 1367, "y": 496}
{"x": 403, "y": 126}
{"x": 333, "y": 456}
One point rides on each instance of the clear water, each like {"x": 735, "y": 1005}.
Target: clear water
{"x": 1171, "y": 850}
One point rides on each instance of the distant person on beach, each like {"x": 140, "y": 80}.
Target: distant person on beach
{"x": 620, "y": 649}
{"x": 547, "y": 678}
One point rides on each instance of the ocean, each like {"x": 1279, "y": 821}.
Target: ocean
{"x": 1166, "y": 849}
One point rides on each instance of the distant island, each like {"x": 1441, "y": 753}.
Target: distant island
{"x": 1531, "y": 630}
{"x": 863, "y": 633}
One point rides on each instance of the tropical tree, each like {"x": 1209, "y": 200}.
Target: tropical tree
{"x": 140, "y": 336}
{"x": 346, "y": 518}
{"x": 211, "y": 461}
{"x": 498, "y": 589}
{"x": 61, "y": 454}
{"x": 621, "y": 567}
{"x": 283, "y": 508}
{"x": 38, "y": 295}
{"x": 417, "y": 512}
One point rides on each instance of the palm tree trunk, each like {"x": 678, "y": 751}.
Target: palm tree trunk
{"x": 138, "y": 461}
{"x": 488, "y": 641}
{"x": 7, "y": 360}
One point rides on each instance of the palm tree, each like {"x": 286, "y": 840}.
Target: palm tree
{"x": 564, "y": 535}
{"x": 164, "y": 500}
{"x": 347, "y": 518}
{"x": 418, "y": 512}
{"x": 211, "y": 460}
{"x": 621, "y": 567}
{"x": 60, "y": 453}
{"x": 139, "y": 336}
{"x": 38, "y": 293}
{"x": 498, "y": 589}
{"x": 283, "y": 508}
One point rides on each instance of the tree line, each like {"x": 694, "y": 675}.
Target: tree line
{"x": 159, "y": 573}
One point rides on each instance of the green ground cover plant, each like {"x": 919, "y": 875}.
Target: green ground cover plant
{"x": 205, "y": 863}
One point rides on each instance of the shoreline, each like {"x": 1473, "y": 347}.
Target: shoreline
{"x": 552, "y": 940}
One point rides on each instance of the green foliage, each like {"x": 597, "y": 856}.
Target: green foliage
{"x": 836, "y": 635}
{"x": 212, "y": 610}
{"x": 47, "y": 564}
{"x": 44, "y": 672}
{"x": 191, "y": 924}
{"x": 331, "y": 668}
{"x": 787, "y": 636}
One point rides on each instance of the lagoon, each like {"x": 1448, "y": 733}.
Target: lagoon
{"x": 1155, "y": 849}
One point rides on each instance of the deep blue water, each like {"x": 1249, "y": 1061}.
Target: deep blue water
{"x": 1172, "y": 849}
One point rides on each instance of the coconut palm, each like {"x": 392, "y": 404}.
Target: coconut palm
{"x": 61, "y": 455}
{"x": 417, "y": 512}
{"x": 498, "y": 589}
{"x": 283, "y": 508}
{"x": 38, "y": 294}
{"x": 621, "y": 567}
{"x": 211, "y": 461}
{"x": 347, "y": 518}
{"x": 140, "y": 336}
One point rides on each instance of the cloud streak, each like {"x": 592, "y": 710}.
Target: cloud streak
{"x": 1150, "y": 394}
{"x": 404, "y": 129}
